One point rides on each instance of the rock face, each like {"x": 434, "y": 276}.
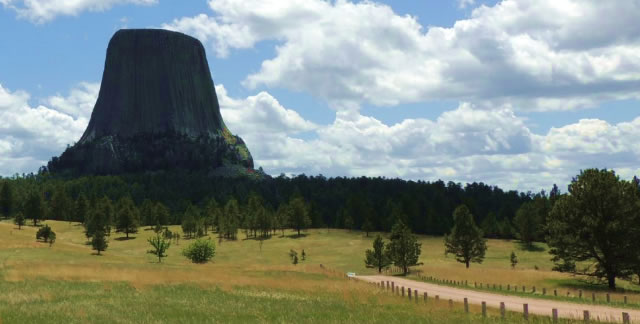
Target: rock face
{"x": 157, "y": 110}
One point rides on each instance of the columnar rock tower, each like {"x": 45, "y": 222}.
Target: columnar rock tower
{"x": 157, "y": 110}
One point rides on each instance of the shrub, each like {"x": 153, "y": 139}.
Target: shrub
{"x": 45, "y": 233}
{"x": 200, "y": 251}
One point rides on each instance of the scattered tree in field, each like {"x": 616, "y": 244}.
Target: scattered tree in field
{"x": 100, "y": 219}
{"x": 596, "y": 226}
{"x": 34, "y": 208}
{"x": 99, "y": 241}
{"x": 303, "y": 255}
{"x": 159, "y": 247}
{"x": 52, "y": 238}
{"x": 128, "y": 217}
{"x": 200, "y": 251}
{"x": 6, "y": 200}
{"x": 19, "y": 220}
{"x": 45, "y": 233}
{"x": 514, "y": 260}
{"x": 299, "y": 214}
{"x": 367, "y": 226}
{"x": 404, "y": 249}
{"x": 379, "y": 256}
{"x": 293, "y": 255}
{"x": 466, "y": 240}
{"x": 176, "y": 236}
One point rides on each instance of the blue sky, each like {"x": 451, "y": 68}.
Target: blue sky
{"x": 520, "y": 93}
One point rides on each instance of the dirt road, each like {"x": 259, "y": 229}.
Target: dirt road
{"x": 512, "y": 303}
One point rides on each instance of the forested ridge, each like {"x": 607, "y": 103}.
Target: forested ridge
{"x": 352, "y": 203}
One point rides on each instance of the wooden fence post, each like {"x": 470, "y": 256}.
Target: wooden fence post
{"x": 402, "y": 291}
{"x": 593, "y": 297}
{"x": 554, "y": 315}
{"x": 509, "y": 287}
{"x": 555, "y": 292}
{"x": 393, "y": 287}
{"x": 466, "y": 305}
{"x": 544, "y": 291}
{"x": 415, "y": 295}
{"x": 525, "y": 311}
{"x": 437, "y": 298}
{"x": 625, "y": 299}
{"x": 484, "y": 309}
{"x": 450, "y": 303}
{"x": 534, "y": 289}
{"x": 502, "y": 310}
{"x": 409, "y": 293}
{"x": 523, "y": 289}
{"x": 425, "y": 296}
{"x": 608, "y": 298}
{"x": 586, "y": 317}
{"x": 625, "y": 318}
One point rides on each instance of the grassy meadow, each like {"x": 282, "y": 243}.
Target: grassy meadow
{"x": 247, "y": 281}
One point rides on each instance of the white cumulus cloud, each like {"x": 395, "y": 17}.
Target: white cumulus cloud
{"x": 42, "y": 11}
{"x": 518, "y": 54}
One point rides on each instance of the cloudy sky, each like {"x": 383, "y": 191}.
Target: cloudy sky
{"x": 517, "y": 93}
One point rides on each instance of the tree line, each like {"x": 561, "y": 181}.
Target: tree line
{"x": 368, "y": 204}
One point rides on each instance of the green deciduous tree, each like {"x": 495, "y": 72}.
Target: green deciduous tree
{"x": 159, "y": 245}
{"x": 513, "y": 259}
{"x": 594, "y": 230}
{"x": 6, "y": 199}
{"x": 379, "y": 256}
{"x": 200, "y": 251}
{"x": 404, "y": 249}
{"x": 127, "y": 217}
{"x": 465, "y": 241}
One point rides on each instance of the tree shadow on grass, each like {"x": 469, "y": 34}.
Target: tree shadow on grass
{"x": 124, "y": 238}
{"x": 296, "y": 236}
{"x": 533, "y": 247}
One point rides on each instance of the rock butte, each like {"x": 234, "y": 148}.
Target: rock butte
{"x": 157, "y": 110}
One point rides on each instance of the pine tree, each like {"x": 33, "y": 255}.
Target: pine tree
{"x": 61, "y": 205}
{"x": 231, "y": 219}
{"x": 6, "y": 200}
{"x": 81, "y": 209}
{"x": 379, "y": 256}
{"x": 127, "y": 217}
{"x": 99, "y": 242}
{"x": 34, "y": 207}
{"x": 513, "y": 259}
{"x": 299, "y": 214}
{"x": 465, "y": 241}
{"x": 162, "y": 214}
{"x": 284, "y": 216}
{"x": 148, "y": 213}
{"x": 367, "y": 226}
{"x": 190, "y": 221}
{"x": 19, "y": 220}
{"x": 404, "y": 248}
{"x": 211, "y": 212}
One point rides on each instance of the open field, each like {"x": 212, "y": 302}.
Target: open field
{"x": 247, "y": 281}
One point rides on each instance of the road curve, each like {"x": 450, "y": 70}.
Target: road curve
{"x": 537, "y": 306}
